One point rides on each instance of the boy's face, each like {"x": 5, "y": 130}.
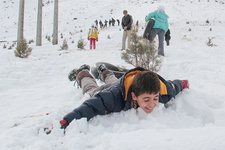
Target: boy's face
{"x": 146, "y": 101}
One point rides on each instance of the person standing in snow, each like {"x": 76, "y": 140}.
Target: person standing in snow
{"x": 96, "y": 23}
{"x": 106, "y": 22}
{"x": 136, "y": 88}
{"x": 93, "y": 36}
{"x": 160, "y": 27}
{"x": 113, "y": 22}
{"x": 100, "y": 24}
{"x": 110, "y": 22}
{"x": 118, "y": 21}
{"x": 126, "y": 24}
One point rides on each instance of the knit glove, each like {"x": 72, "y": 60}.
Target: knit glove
{"x": 64, "y": 124}
{"x": 96, "y": 39}
{"x": 88, "y": 38}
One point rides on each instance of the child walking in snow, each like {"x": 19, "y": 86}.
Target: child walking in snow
{"x": 160, "y": 27}
{"x": 137, "y": 88}
{"x": 93, "y": 36}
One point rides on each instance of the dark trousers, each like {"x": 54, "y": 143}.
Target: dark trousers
{"x": 160, "y": 34}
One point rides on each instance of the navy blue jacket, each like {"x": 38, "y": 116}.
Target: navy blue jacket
{"x": 109, "y": 99}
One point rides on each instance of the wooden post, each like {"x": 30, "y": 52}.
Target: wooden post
{"x": 39, "y": 24}
{"x": 20, "y": 21}
{"x": 55, "y": 24}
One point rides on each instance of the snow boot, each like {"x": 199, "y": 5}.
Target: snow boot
{"x": 73, "y": 73}
{"x": 101, "y": 69}
{"x": 185, "y": 84}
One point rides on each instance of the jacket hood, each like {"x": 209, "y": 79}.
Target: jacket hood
{"x": 127, "y": 80}
{"x": 161, "y": 15}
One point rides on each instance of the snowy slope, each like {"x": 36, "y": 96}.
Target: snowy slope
{"x": 35, "y": 92}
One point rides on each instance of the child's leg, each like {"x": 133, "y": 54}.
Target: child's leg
{"x": 94, "y": 43}
{"x": 161, "y": 34}
{"x": 108, "y": 77}
{"x": 91, "y": 42}
{"x": 87, "y": 82}
{"x": 152, "y": 35}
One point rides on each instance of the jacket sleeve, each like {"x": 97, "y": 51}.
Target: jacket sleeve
{"x": 151, "y": 15}
{"x": 122, "y": 23}
{"x": 89, "y": 34}
{"x": 98, "y": 105}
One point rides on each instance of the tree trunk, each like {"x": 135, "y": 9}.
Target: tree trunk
{"x": 55, "y": 24}
{"x": 39, "y": 24}
{"x": 20, "y": 21}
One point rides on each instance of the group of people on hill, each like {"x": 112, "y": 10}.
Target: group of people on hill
{"x": 159, "y": 28}
{"x": 136, "y": 88}
{"x": 106, "y": 23}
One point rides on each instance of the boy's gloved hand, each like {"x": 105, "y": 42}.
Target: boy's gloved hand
{"x": 88, "y": 38}
{"x": 96, "y": 39}
{"x": 64, "y": 124}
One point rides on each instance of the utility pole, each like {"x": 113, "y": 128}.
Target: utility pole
{"x": 20, "y": 21}
{"x": 39, "y": 24}
{"x": 55, "y": 24}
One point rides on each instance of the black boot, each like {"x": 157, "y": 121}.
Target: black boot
{"x": 101, "y": 69}
{"x": 73, "y": 73}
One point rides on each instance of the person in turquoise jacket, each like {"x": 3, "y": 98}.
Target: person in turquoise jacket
{"x": 160, "y": 27}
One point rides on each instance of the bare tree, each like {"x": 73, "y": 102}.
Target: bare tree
{"x": 55, "y": 24}
{"x": 20, "y": 21}
{"x": 39, "y": 24}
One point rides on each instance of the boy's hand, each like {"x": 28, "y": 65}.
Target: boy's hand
{"x": 64, "y": 124}
{"x": 96, "y": 39}
{"x": 88, "y": 38}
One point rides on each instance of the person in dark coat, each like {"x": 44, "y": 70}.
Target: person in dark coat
{"x": 127, "y": 22}
{"x": 110, "y": 22}
{"x": 113, "y": 22}
{"x": 96, "y": 24}
{"x": 100, "y": 24}
{"x": 106, "y": 23}
{"x": 118, "y": 21}
{"x": 137, "y": 88}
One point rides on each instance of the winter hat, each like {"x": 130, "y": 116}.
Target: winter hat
{"x": 161, "y": 9}
{"x": 92, "y": 29}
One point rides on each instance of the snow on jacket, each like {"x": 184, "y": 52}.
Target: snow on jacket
{"x": 93, "y": 35}
{"x": 115, "y": 97}
{"x": 161, "y": 20}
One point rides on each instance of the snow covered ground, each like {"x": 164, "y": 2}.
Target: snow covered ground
{"x": 35, "y": 92}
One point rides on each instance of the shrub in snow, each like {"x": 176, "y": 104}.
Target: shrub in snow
{"x": 64, "y": 45}
{"x": 210, "y": 43}
{"x": 31, "y": 41}
{"x": 13, "y": 44}
{"x": 108, "y": 37}
{"x": 61, "y": 36}
{"x": 10, "y": 47}
{"x": 49, "y": 38}
{"x": 22, "y": 49}
{"x": 4, "y": 46}
{"x": 142, "y": 53}
{"x": 81, "y": 43}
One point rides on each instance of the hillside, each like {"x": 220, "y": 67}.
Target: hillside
{"x": 35, "y": 92}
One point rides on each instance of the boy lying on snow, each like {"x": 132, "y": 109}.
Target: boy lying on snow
{"x": 137, "y": 88}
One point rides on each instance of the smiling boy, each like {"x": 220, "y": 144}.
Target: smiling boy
{"x": 137, "y": 88}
